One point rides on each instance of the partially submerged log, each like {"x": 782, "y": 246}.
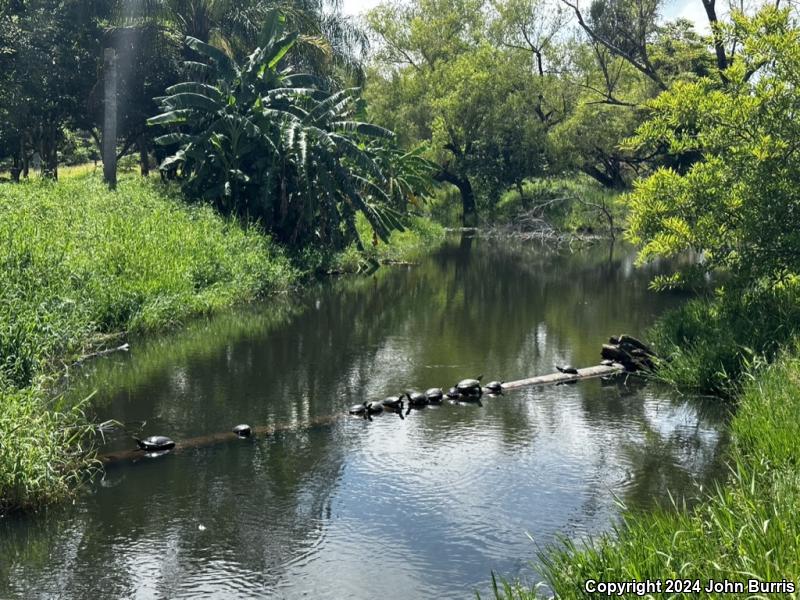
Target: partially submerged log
{"x": 586, "y": 373}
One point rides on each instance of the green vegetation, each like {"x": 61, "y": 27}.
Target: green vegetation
{"x": 419, "y": 236}
{"x": 80, "y": 263}
{"x": 735, "y": 204}
{"x": 277, "y": 147}
{"x": 746, "y": 529}
{"x": 578, "y": 204}
{"x": 727, "y": 207}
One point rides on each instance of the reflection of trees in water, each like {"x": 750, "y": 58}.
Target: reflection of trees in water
{"x": 661, "y": 456}
{"x": 260, "y": 511}
{"x": 476, "y": 306}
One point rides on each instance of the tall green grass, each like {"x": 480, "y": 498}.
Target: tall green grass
{"x": 711, "y": 342}
{"x": 747, "y": 528}
{"x": 78, "y": 263}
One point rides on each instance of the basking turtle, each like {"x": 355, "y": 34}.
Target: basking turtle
{"x": 358, "y": 409}
{"x": 155, "y": 443}
{"x": 242, "y": 430}
{"x": 494, "y": 387}
{"x": 393, "y": 403}
{"x": 607, "y": 362}
{"x": 453, "y": 393}
{"x": 374, "y": 408}
{"x": 434, "y": 395}
{"x": 416, "y": 399}
{"x": 567, "y": 369}
{"x": 470, "y": 387}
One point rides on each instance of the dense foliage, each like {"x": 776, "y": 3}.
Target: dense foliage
{"x": 738, "y": 207}
{"x": 51, "y": 54}
{"x": 269, "y": 144}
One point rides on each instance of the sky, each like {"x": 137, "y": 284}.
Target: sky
{"x": 688, "y": 9}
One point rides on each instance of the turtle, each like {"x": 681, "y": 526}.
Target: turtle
{"x": 374, "y": 408}
{"x": 155, "y": 443}
{"x": 494, "y": 387}
{"x": 393, "y": 403}
{"x": 434, "y": 395}
{"x": 470, "y": 387}
{"x": 607, "y": 362}
{"x": 416, "y": 399}
{"x": 358, "y": 409}
{"x": 567, "y": 369}
{"x": 453, "y": 393}
{"x": 242, "y": 430}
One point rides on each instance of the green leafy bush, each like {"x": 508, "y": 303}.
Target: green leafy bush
{"x": 270, "y": 145}
{"x": 737, "y": 208}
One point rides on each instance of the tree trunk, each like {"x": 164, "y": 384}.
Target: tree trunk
{"x": 470, "y": 211}
{"x": 110, "y": 118}
{"x": 144, "y": 157}
{"x": 719, "y": 43}
{"x": 15, "y": 170}
{"x": 50, "y": 153}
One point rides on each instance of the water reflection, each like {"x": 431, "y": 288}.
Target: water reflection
{"x": 424, "y": 507}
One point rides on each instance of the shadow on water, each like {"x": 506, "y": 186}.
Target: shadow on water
{"x": 438, "y": 500}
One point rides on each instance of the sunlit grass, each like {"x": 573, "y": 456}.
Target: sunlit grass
{"x": 421, "y": 235}
{"x": 77, "y": 263}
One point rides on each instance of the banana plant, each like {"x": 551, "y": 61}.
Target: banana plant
{"x": 265, "y": 143}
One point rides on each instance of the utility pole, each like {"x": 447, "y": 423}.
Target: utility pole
{"x": 110, "y": 118}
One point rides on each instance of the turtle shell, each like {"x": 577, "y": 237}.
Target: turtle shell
{"x": 495, "y": 386}
{"x": 417, "y": 399}
{"x": 242, "y": 430}
{"x": 434, "y": 394}
{"x": 393, "y": 402}
{"x": 156, "y": 443}
{"x": 466, "y": 385}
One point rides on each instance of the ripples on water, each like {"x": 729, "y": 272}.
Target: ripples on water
{"x": 418, "y": 508}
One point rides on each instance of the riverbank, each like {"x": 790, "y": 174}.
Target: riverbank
{"x": 745, "y": 530}
{"x": 82, "y": 266}
{"x": 740, "y": 347}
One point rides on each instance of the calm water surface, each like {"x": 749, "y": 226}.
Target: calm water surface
{"x": 331, "y": 507}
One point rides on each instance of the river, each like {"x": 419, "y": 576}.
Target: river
{"x": 327, "y": 508}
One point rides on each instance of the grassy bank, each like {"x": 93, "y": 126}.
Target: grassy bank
{"x": 748, "y": 528}
{"x": 80, "y": 263}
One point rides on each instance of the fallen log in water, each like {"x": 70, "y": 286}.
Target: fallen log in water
{"x": 135, "y": 454}
{"x": 587, "y": 373}
{"x": 217, "y": 438}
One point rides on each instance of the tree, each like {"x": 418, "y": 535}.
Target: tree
{"x": 265, "y": 143}
{"x": 736, "y": 208}
{"x": 50, "y": 54}
{"x": 441, "y": 79}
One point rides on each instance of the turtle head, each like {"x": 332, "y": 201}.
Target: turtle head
{"x": 479, "y": 377}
